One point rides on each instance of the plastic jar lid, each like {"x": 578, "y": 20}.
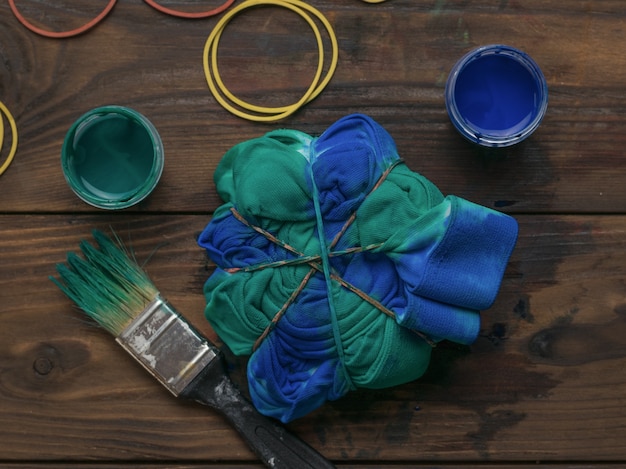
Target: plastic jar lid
{"x": 112, "y": 157}
{"x": 496, "y": 96}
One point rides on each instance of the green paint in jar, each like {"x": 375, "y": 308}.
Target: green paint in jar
{"x": 112, "y": 157}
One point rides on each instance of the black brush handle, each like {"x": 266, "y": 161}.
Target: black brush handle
{"x": 273, "y": 443}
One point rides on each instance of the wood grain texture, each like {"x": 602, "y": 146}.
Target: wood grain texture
{"x": 545, "y": 381}
{"x": 394, "y": 60}
{"x": 429, "y": 465}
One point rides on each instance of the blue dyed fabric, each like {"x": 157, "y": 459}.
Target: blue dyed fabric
{"x": 347, "y": 264}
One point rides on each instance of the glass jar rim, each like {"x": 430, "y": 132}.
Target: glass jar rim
{"x": 482, "y": 136}
{"x": 142, "y": 190}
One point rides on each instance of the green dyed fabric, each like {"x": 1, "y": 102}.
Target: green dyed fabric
{"x": 365, "y": 261}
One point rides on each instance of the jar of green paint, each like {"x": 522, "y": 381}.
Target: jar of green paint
{"x": 112, "y": 157}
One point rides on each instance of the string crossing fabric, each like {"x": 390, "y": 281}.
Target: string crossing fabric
{"x": 258, "y": 113}
{"x": 61, "y": 34}
{"x": 13, "y": 148}
{"x": 335, "y": 261}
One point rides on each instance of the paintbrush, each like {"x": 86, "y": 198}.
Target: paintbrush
{"x": 109, "y": 286}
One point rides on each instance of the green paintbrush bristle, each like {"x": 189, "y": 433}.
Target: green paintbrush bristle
{"x": 106, "y": 283}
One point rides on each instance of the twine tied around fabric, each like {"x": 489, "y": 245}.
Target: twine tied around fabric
{"x": 316, "y": 262}
{"x": 316, "y": 238}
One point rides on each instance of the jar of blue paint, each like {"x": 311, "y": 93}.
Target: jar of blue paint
{"x": 496, "y": 96}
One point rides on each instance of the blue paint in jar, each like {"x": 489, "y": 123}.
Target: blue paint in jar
{"x": 496, "y": 96}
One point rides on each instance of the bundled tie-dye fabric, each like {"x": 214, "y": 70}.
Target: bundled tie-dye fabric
{"x": 338, "y": 267}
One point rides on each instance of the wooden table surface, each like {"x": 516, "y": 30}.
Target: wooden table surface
{"x": 546, "y": 380}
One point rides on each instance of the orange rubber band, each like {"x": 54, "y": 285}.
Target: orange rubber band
{"x": 61, "y": 34}
{"x": 191, "y": 15}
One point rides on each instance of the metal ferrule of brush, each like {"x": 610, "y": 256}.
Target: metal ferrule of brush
{"x": 167, "y": 345}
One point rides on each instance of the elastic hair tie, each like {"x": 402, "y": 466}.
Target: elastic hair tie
{"x": 191, "y": 15}
{"x": 13, "y": 149}
{"x": 268, "y": 114}
{"x": 61, "y": 34}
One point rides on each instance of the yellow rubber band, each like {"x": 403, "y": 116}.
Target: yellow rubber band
{"x": 310, "y": 90}
{"x": 13, "y": 150}
{"x": 267, "y": 114}
{"x": 1, "y": 132}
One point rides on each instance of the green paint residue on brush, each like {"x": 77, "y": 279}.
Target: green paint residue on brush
{"x": 106, "y": 283}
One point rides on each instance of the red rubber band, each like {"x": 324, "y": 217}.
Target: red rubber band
{"x": 61, "y": 34}
{"x": 183, "y": 14}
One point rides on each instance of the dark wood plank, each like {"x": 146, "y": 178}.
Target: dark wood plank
{"x": 394, "y": 59}
{"x": 544, "y": 381}
{"x": 340, "y": 465}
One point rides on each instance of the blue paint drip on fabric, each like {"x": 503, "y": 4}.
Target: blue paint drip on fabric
{"x": 432, "y": 261}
